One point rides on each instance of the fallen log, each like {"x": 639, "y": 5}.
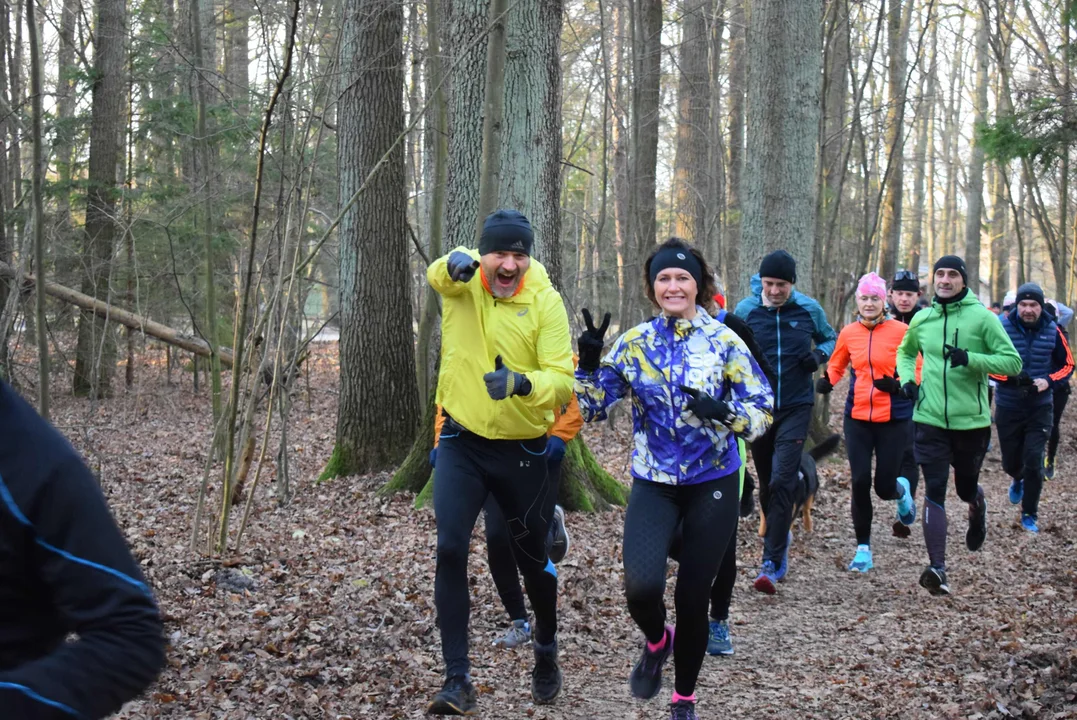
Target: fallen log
{"x": 191, "y": 343}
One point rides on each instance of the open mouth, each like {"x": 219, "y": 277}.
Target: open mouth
{"x": 505, "y": 280}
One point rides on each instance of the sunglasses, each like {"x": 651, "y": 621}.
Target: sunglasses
{"x": 905, "y": 275}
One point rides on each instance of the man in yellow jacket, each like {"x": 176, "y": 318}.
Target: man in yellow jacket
{"x": 499, "y": 556}
{"x": 506, "y": 363}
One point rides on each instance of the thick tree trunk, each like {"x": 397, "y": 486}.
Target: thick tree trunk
{"x": 975, "y": 197}
{"x": 379, "y": 402}
{"x": 621, "y": 180}
{"x": 531, "y": 157}
{"x": 890, "y": 229}
{"x": 832, "y": 155}
{"x": 784, "y": 83}
{"x": 690, "y": 179}
{"x": 94, "y": 358}
{"x": 736, "y": 287}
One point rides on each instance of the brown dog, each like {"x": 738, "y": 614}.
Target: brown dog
{"x": 808, "y": 485}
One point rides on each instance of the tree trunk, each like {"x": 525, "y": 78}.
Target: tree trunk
{"x": 645, "y": 111}
{"x": 784, "y": 83}
{"x": 63, "y": 146}
{"x": 94, "y": 358}
{"x": 621, "y": 179}
{"x": 890, "y": 229}
{"x": 736, "y": 288}
{"x": 975, "y": 197}
{"x": 833, "y": 157}
{"x": 379, "y": 402}
{"x": 691, "y": 196}
{"x": 531, "y": 157}
{"x": 37, "y": 181}
{"x": 928, "y": 85}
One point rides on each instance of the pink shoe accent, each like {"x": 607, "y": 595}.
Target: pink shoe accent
{"x": 667, "y": 637}
{"x": 677, "y": 697}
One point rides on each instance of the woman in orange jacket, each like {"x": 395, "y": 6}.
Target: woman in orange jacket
{"x": 877, "y": 418}
{"x": 566, "y": 424}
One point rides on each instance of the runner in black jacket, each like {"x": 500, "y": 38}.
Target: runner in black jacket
{"x": 905, "y": 296}
{"x": 65, "y": 568}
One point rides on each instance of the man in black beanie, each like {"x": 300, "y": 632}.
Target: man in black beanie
{"x": 960, "y": 341}
{"x": 506, "y": 363}
{"x": 786, "y": 324}
{"x": 1025, "y": 412}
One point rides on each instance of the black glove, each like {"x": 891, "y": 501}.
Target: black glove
{"x": 823, "y": 386}
{"x": 887, "y": 384}
{"x": 590, "y": 342}
{"x": 910, "y": 391}
{"x": 504, "y": 383}
{"x": 812, "y": 360}
{"x": 705, "y": 407}
{"x": 1024, "y": 379}
{"x": 955, "y": 355}
{"x": 461, "y": 266}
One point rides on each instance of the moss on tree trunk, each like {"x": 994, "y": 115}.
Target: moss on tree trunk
{"x": 414, "y": 473}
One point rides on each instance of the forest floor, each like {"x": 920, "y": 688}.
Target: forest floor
{"x": 327, "y": 609}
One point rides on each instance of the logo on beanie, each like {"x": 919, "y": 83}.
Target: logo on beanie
{"x": 680, "y": 256}
{"x": 717, "y": 494}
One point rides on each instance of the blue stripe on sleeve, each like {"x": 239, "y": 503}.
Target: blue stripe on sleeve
{"x": 34, "y": 696}
{"x": 9, "y": 502}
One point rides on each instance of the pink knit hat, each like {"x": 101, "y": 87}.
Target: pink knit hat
{"x": 871, "y": 284}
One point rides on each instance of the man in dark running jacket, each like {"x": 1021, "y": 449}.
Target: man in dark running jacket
{"x": 65, "y": 569}
{"x": 1025, "y": 411}
{"x": 785, "y": 323}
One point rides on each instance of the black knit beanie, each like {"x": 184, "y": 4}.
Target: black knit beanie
{"x": 1029, "y": 291}
{"x": 952, "y": 262}
{"x": 506, "y": 231}
{"x": 779, "y": 265}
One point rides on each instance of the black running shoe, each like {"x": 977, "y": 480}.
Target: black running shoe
{"x": 457, "y": 697}
{"x": 900, "y": 529}
{"x": 546, "y": 677}
{"x": 933, "y": 579}
{"x": 646, "y": 678}
{"x": 683, "y": 710}
{"x": 558, "y": 531}
{"x": 977, "y": 532}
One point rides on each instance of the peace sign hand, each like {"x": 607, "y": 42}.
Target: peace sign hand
{"x": 591, "y": 341}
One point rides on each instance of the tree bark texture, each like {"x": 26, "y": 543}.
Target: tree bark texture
{"x": 784, "y": 83}
{"x": 379, "y": 400}
{"x": 890, "y": 228}
{"x": 736, "y": 288}
{"x": 975, "y": 197}
{"x": 94, "y": 358}
{"x": 691, "y": 178}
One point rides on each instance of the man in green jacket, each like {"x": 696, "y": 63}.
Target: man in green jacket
{"x": 961, "y": 341}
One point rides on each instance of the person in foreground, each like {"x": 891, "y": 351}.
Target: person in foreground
{"x": 65, "y": 570}
{"x": 961, "y": 342}
{"x": 694, "y": 387}
{"x": 506, "y": 363}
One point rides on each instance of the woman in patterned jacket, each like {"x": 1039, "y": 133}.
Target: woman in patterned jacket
{"x": 694, "y": 387}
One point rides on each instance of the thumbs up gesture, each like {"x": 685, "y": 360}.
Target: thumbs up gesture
{"x": 504, "y": 383}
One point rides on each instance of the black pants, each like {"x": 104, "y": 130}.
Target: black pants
{"x": 937, "y": 450}
{"x": 724, "y": 581}
{"x": 709, "y": 514}
{"x": 499, "y": 550}
{"x": 777, "y": 463}
{"x": 1022, "y": 437}
{"x": 886, "y": 442}
{"x": 469, "y": 469}
{"x": 1062, "y": 396}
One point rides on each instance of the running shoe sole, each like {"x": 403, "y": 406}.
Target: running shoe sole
{"x": 443, "y": 707}
{"x": 933, "y": 583}
{"x": 901, "y": 530}
{"x": 765, "y": 585}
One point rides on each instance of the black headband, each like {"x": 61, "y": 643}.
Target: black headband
{"x": 674, "y": 257}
